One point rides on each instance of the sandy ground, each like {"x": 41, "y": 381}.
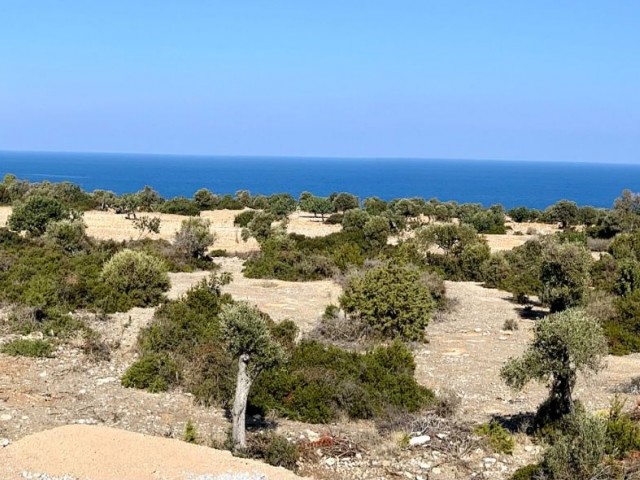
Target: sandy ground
{"x": 102, "y": 453}
{"x": 108, "y": 225}
{"x": 467, "y": 350}
{"x": 303, "y": 302}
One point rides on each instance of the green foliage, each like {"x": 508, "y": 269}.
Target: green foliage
{"x": 248, "y": 335}
{"x": 276, "y": 450}
{"x": 181, "y": 206}
{"x": 500, "y": 440}
{"x": 344, "y": 201}
{"x": 627, "y": 278}
{"x": 391, "y": 299}
{"x": 28, "y": 348}
{"x": 204, "y": 199}
{"x": 190, "y": 434}
{"x": 523, "y": 214}
{"x": 533, "y": 471}
{"x": 376, "y": 231}
{"x": 563, "y": 345}
{"x": 623, "y": 433}
{"x": 35, "y": 213}
{"x": 564, "y": 212}
{"x": 154, "y": 372}
{"x": 354, "y": 220}
{"x": 70, "y": 235}
{"x": 259, "y": 227}
{"x": 486, "y": 221}
{"x": 146, "y": 224}
{"x": 579, "y": 451}
{"x": 137, "y": 276}
{"x": 193, "y": 238}
{"x": 320, "y": 383}
{"x": 564, "y": 273}
{"x": 243, "y": 218}
{"x": 281, "y": 204}
{"x": 463, "y": 251}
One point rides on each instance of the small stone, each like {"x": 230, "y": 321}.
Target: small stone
{"x": 436, "y": 471}
{"x": 312, "y": 436}
{"x": 441, "y": 436}
{"x": 502, "y": 338}
{"x": 330, "y": 461}
{"x": 421, "y": 440}
{"x": 5, "y": 417}
{"x": 5, "y": 442}
{"x": 529, "y": 448}
{"x": 424, "y": 465}
{"x": 477, "y": 330}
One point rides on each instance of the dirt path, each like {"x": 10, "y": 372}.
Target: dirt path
{"x": 467, "y": 350}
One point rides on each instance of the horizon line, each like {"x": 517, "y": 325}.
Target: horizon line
{"x": 317, "y": 157}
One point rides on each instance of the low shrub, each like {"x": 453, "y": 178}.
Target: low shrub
{"x": 180, "y": 206}
{"x": 510, "y": 324}
{"x": 190, "y": 434}
{"x": 28, "y": 348}
{"x": 533, "y": 471}
{"x": 242, "y": 219}
{"x": 499, "y": 438}
{"x": 153, "y": 372}
{"x": 274, "y": 449}
{"x": 320, "y": 383}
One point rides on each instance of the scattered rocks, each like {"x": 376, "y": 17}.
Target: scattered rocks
{"x": 420, "y": 440}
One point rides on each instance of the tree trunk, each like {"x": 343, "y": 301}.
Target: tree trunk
{"x": 238, "y": 414}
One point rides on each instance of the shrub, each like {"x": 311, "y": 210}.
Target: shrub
{"x": 193, "y": 238}
{"x": 190, "y": 433}
{"x": 376, "y": 231}
{"x": 153, "y": 372}
{"x": 510, "y": 324}
{"x": 623, "y": 433}
{"x": 70, "y": 235}
{"x": 275, "y": 449}
{"x": 28, "y": 348}
{"x": 138, "y": 276}
{"x": 499, "y": 437}
{"x": 243, "y": 218}
{"x": 532, "y": 471}
{"x": 579, "y": 451}
{"x": 181, "y": 206}
{"x": 391, "y": 300}
{"x": 35, "y": 213}
{"x": 320, "y": 383}
{"x": 335, "y": 219}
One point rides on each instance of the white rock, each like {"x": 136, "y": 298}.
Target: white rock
{"x": 421, "y": 440}
{"x": 330, "y": 461}
{"x": 424, "y": 466}
{"x": 5, "y": 417}
{"x": 436, "y": 470}
{"x": 312, "y": 436}
{"x": 5, "y": 442}
{"x": 102, "y": 381}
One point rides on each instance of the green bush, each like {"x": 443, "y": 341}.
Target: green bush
{"x": 153, "y": 372}
{"x": 34, "y": 214}
{"x": 190, "y": 433}
{"x": 28, "y": 348}
{"x": 623, "y": 433}
{"x": 320, "y": 383}
{"x": 391, "y": 299}
{"x": 500, "y": 440}
{"x": 243, "y": 219}
{"x": 275, "y": 449}
{"x": 70, "y": 235}
{"x": 139, "y": 277}
{"x": 532, "y": 471}
{"x": 180, "y": 206}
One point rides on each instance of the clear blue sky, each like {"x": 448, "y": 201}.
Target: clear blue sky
{"x": 513, "y": 79}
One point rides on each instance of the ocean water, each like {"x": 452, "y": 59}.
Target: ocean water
{"x": 510, "y": 183}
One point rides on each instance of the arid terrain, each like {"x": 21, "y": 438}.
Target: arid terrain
{"x": 465, "y": 351}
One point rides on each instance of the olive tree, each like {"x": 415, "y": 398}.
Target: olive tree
{"x": 391, "y": 300}
{"x": 564, "y": 344}
{"x": 250, "y": 342}
{"x": 194, "y": 237}
{"x": 564, "y": 275}
{"x": 35, "y": 213}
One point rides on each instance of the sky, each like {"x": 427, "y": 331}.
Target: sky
{"x": 516, "y": 80}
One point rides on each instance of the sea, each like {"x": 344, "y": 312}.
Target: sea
{"x": 510, "y": 183}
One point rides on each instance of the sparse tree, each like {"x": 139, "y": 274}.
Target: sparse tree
{"x": 259, "y": 227}
{"x": 204, "y": 199}
{"x": 146, "y": 224}
{"x": 564, "y": 344}
{"x": 194, "y": 237}
{"x": 251, "y": 343}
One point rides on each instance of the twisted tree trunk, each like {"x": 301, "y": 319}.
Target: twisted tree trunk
{"x": 239, "y": 411}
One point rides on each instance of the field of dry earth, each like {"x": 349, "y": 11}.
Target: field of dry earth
{"x": 464, "y": 354}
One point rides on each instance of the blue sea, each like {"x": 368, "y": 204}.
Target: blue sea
{"x": 510, "y": 183}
